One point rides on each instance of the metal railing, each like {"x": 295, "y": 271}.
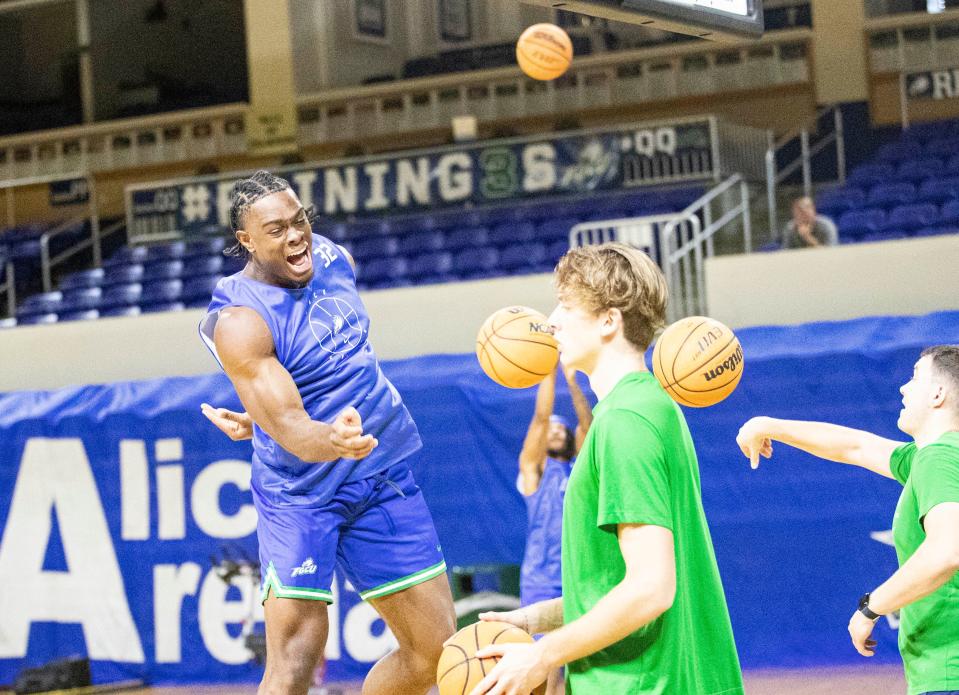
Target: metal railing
{"x": 47, "y": 264}
{"x": 502, "y": 95}
{"x": 913, "y": 41}
{"x": 814, "y": 138}
{"x": 680, "y": 241}
{"x": 9, "y": 288}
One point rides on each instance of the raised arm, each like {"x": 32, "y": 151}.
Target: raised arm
{"x": 269, "y": 394}
{"x": 832, "y": 442}
{"x": 533, "y": 453}
{"x": 584, "y": 414}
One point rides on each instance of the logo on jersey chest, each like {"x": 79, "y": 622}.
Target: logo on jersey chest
{"x": 335, "y": 324}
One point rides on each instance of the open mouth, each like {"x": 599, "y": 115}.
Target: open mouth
{"x": 301, "y": 261}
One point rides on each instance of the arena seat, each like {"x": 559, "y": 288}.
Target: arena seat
{"x": 83, "y": 278}
{"x": 84, "y": 315}
{"x": 891, "y": 194}
{"x": 36, "y": 319}
{"x": 166, "y": 252}
{"x": 512, "y": 233}
{"x": 466, "y": 237}
{"x": 202, "y": 265}
{"x": 420, "y": 242}
{"x": 121, "y": 295}
{"x": 857, "y": 223}
{"x": 81, "y": 299}
{"x": 439, "y": 263}
{"x": 160, "y": 307}
{"x": 917, "y": 170}
{"x": 43, "y": 303}
{"x": 472, "y": 263}
{"x": 380, "y": 270}
{"x": 197, "y": 291}
{"x": 522, "y": 256}
{"x": 870, "y": 174}
{"x": 126, "y": 255}
{"x": 906, "y": 218}
{"x": 131, "y": 310}
{"x": 938, "y": 190}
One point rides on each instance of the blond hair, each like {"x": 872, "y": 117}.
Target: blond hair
{"x": 616, "y": 276}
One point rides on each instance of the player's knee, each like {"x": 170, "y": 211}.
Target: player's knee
{"x": 293, "y": 663}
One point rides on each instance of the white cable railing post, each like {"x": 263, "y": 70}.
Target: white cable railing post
{"x": 747, "y": 219}
{"x": 771, "y": 188}
{"x": 840, "y": 145}
{"x": 806, "y": 168}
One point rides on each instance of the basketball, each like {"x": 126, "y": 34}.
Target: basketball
{"x": 698, "y": 360}
{"x": 459, "y": 670}
{"x": 544, "y": 51}
{"x": 516, "y": 348}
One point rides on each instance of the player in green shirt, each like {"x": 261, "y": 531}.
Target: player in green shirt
{"x": 643, "y": 609}
{"x": 925, "y": 526}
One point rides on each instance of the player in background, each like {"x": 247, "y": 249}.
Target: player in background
{"x": 545, "y": 463}
{"x": 925, "y": 526}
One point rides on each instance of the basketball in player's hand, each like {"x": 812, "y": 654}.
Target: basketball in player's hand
{"x": 698, "y": 360}
{"x": 459, "y": 669}
{"x": 516, "y": 348}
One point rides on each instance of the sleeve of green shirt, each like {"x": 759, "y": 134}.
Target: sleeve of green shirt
{"x": 935, "y": 477}
{"x": 631, "y": 470}
{"x": 900, "y": 462}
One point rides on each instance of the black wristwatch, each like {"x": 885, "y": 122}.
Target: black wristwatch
{"x": 864, "y": 608}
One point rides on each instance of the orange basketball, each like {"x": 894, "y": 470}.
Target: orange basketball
{"x": 544, "y": 51}
{"x": 516, "y": 348}
{"x": 459, "y": 670}
{"x": 698, "y": 360}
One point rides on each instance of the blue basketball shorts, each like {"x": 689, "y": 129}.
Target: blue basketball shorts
{"x": 378, "y": 530}
{"x": 534, "y": 593}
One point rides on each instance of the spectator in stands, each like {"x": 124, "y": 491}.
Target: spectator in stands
{"x": 331, "y": 438}
{"x": 925, "y": 526}
{"x": 545, "y": 463}
{"x": 643, "y": 609}
{"x": 807, "y": 228}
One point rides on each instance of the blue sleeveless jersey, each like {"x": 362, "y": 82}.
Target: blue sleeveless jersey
{"x": 321, "y": 337}
{"x": 544, "y": 509}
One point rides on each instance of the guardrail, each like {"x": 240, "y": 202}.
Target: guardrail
{"x": 346, "y": 114}
{"x": 913, "y": 41}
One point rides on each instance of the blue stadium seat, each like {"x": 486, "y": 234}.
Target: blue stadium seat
{"x": 379, "y": 270}
{"x": 907, "y": 218}
{"x": 123, "y": 274}
{"x": 466, "y": 237}
{"x": 949, "y": 213}
{"x": 856, "y": 223}
{"x": 232, "y": 264}
{"x": 839, "y": 200}
{"x": 941, "y": 146}
{"x": 938, "y": 230}
{"x": 163, "y": 270}
{"x": 421, "y": 242}
{"x": 471, "y": 262}
{"x": 197, "y": 288}
{"x": 522, "y": 257}
{"x": 83, "y": 278}
{"x": 121, "y": 295}
{"x": 206, "y": 247}
{"x": 891, "y": 194}
{"x": 867, "y": 175}
{"x": 81, "y": 299}
{"x": 84, "y": 315}
{"x": 43, "y": 303}
{"x": 389, "y": 283}
{"x": 36, "y": 319}
{"x": 162, "y": 292}
{"x": 166, "y": 252}
{"x": 882, "y": 236}
{"x": 939, "y": 190}
{"x": 917, "y": 170}
{"x": 9, "y": 322}
{"x": 120, "y": 311}
{"x": 162, "y": 306}
{"x": 437, "y": 263}
{"x": 512, "y": 233}
{"x": 126, "y": 255}
{"x": 374, "y": 247}
{"x": 952, "y": 166}
{"x": 556, "y": 250}
{"x": 202, "y": 265}
{"x": 553, "y": 230}
{"x": 898, "y": 151}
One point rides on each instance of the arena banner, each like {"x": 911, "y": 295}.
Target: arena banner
{"x": 126, "y": 518}
{"x": 457, "y": 176}
{"x": 935, "y": 85}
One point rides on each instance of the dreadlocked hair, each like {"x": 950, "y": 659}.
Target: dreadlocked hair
{"x": 243, "y": 195}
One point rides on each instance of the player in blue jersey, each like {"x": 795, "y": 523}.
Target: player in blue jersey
{"x": 331, "y": 438}
{"x": 545, "y": 462}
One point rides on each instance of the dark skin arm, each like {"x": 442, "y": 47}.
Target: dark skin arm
{"x": 270, "y": 396}
{"x": 533, "y": 454}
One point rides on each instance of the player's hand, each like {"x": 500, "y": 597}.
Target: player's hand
{"x": 236, "y": 426}
{"x": 521, "y": 667}
{"x": 347, "y": 438}
{"x": 754, "y": 441}
{"x": 519, "y": 618}
{"x": 860, "y": 629}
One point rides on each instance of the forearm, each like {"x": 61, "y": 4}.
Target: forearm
{"x": 545, "y": 396}
{"x": 303, "y": 437}
{"x": 584, "y": 413}
{"x": 822, "y": 439}
{"x": 931, "y": 566}
{"x": 544, "y": 616}
{"x": 622, "y": 611}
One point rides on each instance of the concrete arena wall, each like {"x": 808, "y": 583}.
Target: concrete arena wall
{"x": 903, "y": 277}
{"x": 405, "y": 322}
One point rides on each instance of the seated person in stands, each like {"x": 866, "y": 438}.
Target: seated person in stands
{"x": 806, "y": 228}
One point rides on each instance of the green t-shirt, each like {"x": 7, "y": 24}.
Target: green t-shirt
{"x": 929, "y": 628}
{"x": 638, "y": 466}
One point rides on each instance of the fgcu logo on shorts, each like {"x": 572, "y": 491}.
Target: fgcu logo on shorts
{"x": 730, "y": 364}
{"x": 308, "y": 567}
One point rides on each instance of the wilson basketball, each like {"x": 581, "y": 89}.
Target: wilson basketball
{"x": 516, "y": 348}
{"x": 459, "y": 670}
{"x": 698, "y": 360}
{"x": 544, "y": 51}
